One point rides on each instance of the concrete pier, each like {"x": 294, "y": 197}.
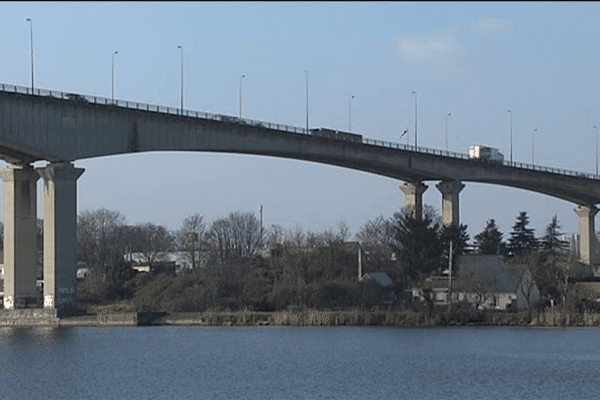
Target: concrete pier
{"x": 450, "y": 194}
{"x": 20, "y": 236}
{"x": 587, "y": 233}
{"x": 413, "y": 191}
{"x": 60, "y": 236}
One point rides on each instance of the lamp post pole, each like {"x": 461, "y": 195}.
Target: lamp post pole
{"x": 180, "y": 47}
{"x": 31, "y": 49}
{"x": 596, "y": 128}
{"x": 350, "y": 114}
{"x": 306, "y": 71}
{"x": 415, "y": 93}
{"x": 511, "y": 137}
{"x": 112, "y": 96}
{"x": 243, "y": 76}
{"x": 447, "y": 130}
{"x": 532, "y": 146}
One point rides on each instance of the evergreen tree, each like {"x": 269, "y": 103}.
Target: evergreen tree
{"x": 416, "y": 242}
{"x": 551, "y": 243}
{"x": 522, "y": 239}
{"x": 489, "y": 241}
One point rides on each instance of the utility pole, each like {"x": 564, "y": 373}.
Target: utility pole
{"x": 261, "y": 226}
{"x": 450, "y": 280}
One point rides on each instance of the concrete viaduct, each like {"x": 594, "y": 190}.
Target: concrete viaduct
{"x": 61, "y": 128}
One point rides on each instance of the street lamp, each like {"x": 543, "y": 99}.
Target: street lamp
{"x": 350, "y": 114}
{"x": 511, "y": 157}
{"x": 415, "y": 93}
{"x": 447, "y": 130}
{"x": 31, "y": 50}
{"x": 596, "y": 128}
{"x": 532, "y": 145}
{"x": 180, "y": 47}
{"x": 306, "y": 71}
{"x": 243, "y": 76}
{"x": 113, "y": 78}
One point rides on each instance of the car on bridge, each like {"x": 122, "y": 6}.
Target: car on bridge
{"x": 484, "y": 153}
{"x": 336, "y": 135}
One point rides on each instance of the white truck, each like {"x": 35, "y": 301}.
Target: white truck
{"x": 479, "y": 152}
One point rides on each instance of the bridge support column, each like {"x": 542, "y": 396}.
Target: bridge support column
{"x": 587, "y": 234}
{"x": 60, "y": 236}
{"x": 450, "y": 211}
{"x": 413, "y": 191}
{"x": 20, "y": 236}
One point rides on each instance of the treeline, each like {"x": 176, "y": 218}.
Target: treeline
{"x": 235, "y": 265}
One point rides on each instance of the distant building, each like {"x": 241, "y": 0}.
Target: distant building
{"x": 384, "y": 285}
{"x": 168, "y": 261}
{"x": 487, "y": 282}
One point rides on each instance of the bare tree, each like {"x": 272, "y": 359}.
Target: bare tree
{"x": 98, "y": 242}
{"x": 237, "y": 236}
{"x": 191, "y": 236}
{"x": 150, "y": 240}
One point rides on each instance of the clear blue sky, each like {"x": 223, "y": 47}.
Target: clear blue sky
{"x": 473, "y": 60}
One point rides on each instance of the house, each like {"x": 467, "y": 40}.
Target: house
{"x": 384, "y": 285}
{"x": 487, "y": 282}
{"x": 492, "y": 283}
{"x": 167, "y": 262}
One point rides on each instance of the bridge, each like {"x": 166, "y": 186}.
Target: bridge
{"x": 64, "y": 127}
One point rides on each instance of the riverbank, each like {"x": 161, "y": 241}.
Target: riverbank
{"x": 312, "y": 318}
{"x": 119, "y": 316}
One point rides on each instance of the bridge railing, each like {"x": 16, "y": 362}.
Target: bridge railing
{"x": 149, "y": 107}
{"x": 269, "y": 125}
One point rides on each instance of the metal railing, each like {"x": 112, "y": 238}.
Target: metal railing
{"x": 270, "y": 125}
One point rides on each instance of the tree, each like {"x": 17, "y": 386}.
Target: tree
{"x": 191, "y": 236}
{"x": 489, "y": 241}
{"x": 551, "y": 243}
{"x": 459, "y": 237}
{"x": 98, "y": 240}
{"x": 557, "y": 265}
{"x": 375, "y": 238}
{"x": 237, "y": 236}
{"x": 416, "y": 242}
{"x": 522, "y": 239}
{"x": 150, "y": 240}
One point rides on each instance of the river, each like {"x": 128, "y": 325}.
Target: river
{"x": 191, "y": 362}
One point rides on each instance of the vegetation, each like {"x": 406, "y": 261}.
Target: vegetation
{"x": 234, "y": 266}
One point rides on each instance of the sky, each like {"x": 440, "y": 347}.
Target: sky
{"x": 473, "y": 61}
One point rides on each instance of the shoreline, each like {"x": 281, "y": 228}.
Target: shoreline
{"x": 112, "y": 317}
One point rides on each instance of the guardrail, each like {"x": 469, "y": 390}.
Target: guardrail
{"x": 149, "y": 107}
{"x": 269, "y": 125}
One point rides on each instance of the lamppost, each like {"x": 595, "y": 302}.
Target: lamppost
{"x": 31, "y": 49}
{"x": 350, "y": 114}
{"x": 596, "y": 128}
{"x": 180, "y": 47}
{"x": 415, "y": 93}
{"x": 243, "y": 76}
{"x": 447, "y": 130}
{"x": 532, "y": 145}
{"x": 112, "y": 96}
{"x": 306, "y": 71}
{"x": 511, "y": 157}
